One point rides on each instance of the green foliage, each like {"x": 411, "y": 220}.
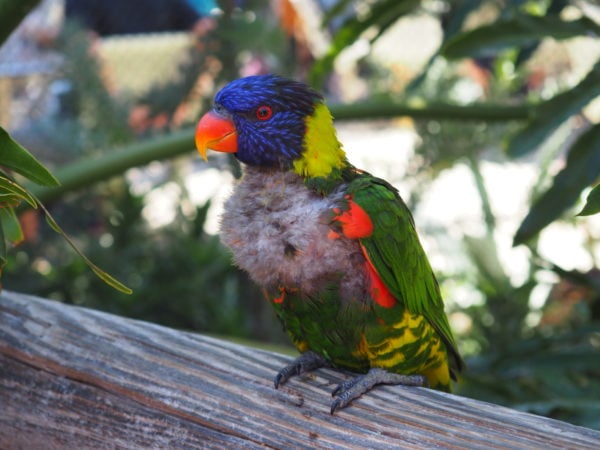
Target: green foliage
{"x": 91, "y": 121}
{"x": 12, "y": 194}
{"x": 554, "y": 376}
{"x": 517, "y": 30}
{"x": 549, "y": 115}
{"x": 581, "y": 170}
{"x": 16, "y": 158}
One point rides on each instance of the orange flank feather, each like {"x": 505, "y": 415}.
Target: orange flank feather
{"x": 355, "y": 222}
{"x": 379, "y": 292}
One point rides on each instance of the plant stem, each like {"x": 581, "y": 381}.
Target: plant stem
{"x": 488, "y": 215}
{"x": 88, "y": 171}
{"x": 387, "y": 109}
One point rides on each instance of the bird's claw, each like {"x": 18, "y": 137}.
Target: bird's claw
{"x": 350, "y": 389}
{"x": 353, "y": 388}
{"x": 304, "y": 363}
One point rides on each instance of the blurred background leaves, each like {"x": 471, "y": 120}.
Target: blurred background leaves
{"x": 495, "y": 90}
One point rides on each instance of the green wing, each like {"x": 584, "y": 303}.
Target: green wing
{"x": 398, "y": 257}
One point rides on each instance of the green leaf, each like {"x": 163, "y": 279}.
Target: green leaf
{"x": 518, "y": 31}
{"x": 11, "y": 226}
{"x": 21, "y": 161}
{"x": 550, "y": 114}
{"x": 581, "y": 170}
{"x": 592, "y": 204}
{"x": 108, "y": 279}
{"x": 12, "y": 193}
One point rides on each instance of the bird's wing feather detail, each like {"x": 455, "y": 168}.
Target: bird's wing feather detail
{"x": 397, "y": 262}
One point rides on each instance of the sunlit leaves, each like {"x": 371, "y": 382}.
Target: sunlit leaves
{"x": 581, "y": 170}
{"x": 583, "y": 165}
{"x": 520, "y": 30}
{"x": 551, "y": 113}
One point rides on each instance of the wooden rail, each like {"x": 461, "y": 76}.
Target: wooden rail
{"x": 74, "y": 378}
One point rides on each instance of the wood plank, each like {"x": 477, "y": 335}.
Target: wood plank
{"x": 76, "y": 378}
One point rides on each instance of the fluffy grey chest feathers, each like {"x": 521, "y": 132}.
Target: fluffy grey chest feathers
{"x": 278, "y": 232}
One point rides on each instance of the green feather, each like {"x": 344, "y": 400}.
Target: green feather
{"x": 399, "y": 259}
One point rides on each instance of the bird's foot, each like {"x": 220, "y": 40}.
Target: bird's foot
{"x": 355, "y": 387}
{"x": 304, "y": 363}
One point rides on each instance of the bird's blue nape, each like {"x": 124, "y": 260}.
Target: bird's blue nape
{"x": 275, "y": 141}
{"x": 245, "y": 93}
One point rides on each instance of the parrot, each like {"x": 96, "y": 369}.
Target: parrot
{"x": 334, "y": 248}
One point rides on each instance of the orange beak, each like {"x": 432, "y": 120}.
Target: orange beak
{"x": 217, "y": 133}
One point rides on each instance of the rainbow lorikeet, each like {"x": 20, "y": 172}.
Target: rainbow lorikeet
{"x": 333, "y": 247}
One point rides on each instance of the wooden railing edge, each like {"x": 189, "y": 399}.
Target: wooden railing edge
{"x": 72, "y": 377}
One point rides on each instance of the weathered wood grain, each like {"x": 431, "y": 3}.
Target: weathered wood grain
{"x": 77, "y": 378}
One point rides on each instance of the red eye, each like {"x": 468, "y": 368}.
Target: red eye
{"x": 264, "y": 112}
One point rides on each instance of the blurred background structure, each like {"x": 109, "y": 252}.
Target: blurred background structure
{"x": 484, "y": 114}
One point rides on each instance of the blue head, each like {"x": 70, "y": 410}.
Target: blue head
{"x": 268, "y": 116}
